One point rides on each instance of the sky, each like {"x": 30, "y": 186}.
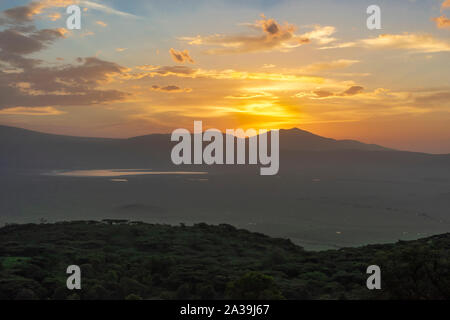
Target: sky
{"x": 152, "y": 66}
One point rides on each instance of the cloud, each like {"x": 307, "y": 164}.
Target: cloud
{"x": 27, "y": 111}
{"x": 321, "y": 34}
{"x": 106, "y": 9}
{"x": 352, "y": 91}
{"x": 340, "y": 45}
{"x": 26, "y": 13}
{"x": 442, "y": 22}
{"x": 23, "y": 13}
{"x": 87, "y": 34}
{"x": 56, "y": 87}
{"x": 26, "y": 41}
{"x": 151, "y": 71}
{"x": 328, "y": 65}
{"x": 247, "y": 96}
{"x": 28, "y": 82}
{"x": 409, "y": 41}
{"x": 270, "y": 36}
{"x": 121, "y": 49}
{"x": 170, "y": 88}
{"x": 228, "y": 74}
{"x": 445, "y": 4}
{"x": 180, "y": 56}
{"x": 36, "y": 85}
{"x": 54, "y": 16}
{"x": 406, "y": 41}
{"x": 101, "y": 23}
{"x": 438, "y": 97}
{"x": 324, "y": 94}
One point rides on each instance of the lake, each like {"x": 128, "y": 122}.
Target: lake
{"x": 119, "y": 173}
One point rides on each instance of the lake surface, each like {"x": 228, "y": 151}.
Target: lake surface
{"x": 339, "y": 211}
{"x": 120, "y": 173}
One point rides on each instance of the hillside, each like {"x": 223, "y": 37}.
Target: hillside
{"x": 22, "y": 148}
{"x": 25, "y": 149}
{"x": 153, "y": 261}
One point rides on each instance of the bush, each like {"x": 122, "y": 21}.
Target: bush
{"x": 254, "y": 286}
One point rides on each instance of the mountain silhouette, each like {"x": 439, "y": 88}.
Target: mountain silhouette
{"x": 21, "y": 148}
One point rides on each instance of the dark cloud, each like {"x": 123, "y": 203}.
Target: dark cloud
{"x": 13, "y": 41}
{"x": 22, "y": 13}
{"x": 352, "y": 91}
{"x": 29, "y": 82}
{"x": 74, "y": 84}
{"x": 18, "y": 61}
{"x": 168, "y": 70}
{"x": 180, "y": 56}
{"x": 170, "y": 88}
{"x": 322, "y": 94}
{"x": 270, "y": 26}
{"x": 438, "y": 97}
{"x": 12, "y": 97}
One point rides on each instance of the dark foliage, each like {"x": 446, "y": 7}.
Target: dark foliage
{"x": 133, "y": 261}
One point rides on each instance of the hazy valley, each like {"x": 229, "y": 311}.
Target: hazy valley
{"x": 328, "y": 193}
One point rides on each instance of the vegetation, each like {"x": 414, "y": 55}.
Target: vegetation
{"x": 133, "y": 261}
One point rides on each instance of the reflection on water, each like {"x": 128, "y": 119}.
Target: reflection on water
{"x": 118, "y": 180}
{"x": 118, "y": 173}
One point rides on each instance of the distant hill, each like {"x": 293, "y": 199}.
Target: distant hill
{"x": 121, "y": 260}
{"x": 26, "y": 149}
{"x": 297, "y": 139}
{"x": 291, "y": 139}
{"x": 21, "y": 148}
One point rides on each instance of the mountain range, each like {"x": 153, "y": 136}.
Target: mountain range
{"x": 21, "y": 148}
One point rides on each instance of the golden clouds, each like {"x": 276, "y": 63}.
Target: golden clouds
{"x": 255, "y": 95}
{"x": 101, "y": 23}
{"x": 325, "y": 94}
{"x": 405, "y": 41}
{"x": 270, "y": 35}
{"x": 409, "y": 41}
{"x": 31, "y": 111}
{"x": 442, "y": 22}
{"x": 170, "y": 88}
{"x": 321, "y": 34}
{"x": 328, "y": 65}
{"x": 54, "y": 16}
{"x": 227, "y": 74}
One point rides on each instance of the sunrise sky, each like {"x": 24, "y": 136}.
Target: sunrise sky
{"x": 139, "y": 67}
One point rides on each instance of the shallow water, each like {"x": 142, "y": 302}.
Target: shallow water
{"x": 120, "y": 173}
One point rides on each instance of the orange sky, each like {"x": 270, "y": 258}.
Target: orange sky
{"x": 145, "y": 67}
